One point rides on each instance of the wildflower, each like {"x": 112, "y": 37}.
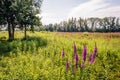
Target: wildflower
{"x": 91, "y": 58}
{"x": 84, "y": 53}
{"x": 93, "y": 55}
{"x": 67, "y": 65}
{"x": 95, "y": 51}
{"x": 63, "y": 53}
{"x": 76, "y": 63}
{"x": 76, "y": 57}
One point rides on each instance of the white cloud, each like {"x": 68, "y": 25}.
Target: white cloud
{"x": 48, "y": 18}
{"x": 94, "y": 8}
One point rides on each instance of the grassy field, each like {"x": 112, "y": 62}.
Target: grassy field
{"x": 41, "y": 57}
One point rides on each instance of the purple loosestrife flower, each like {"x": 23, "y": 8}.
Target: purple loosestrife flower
{"x": 76, "y": 57}
{"x": 91, "y": 58}
{"x": 67, "y": 65}
{"x": 93, "y": 55}
{"x": 95, "y": 51}
{"x": 74, "y": 48}
{"x": 84, "y": 53}
{"x": 76, "y": 64}
{"x": 63, "y": 53}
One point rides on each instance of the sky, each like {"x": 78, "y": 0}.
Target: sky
{"x": 55, "y": 11}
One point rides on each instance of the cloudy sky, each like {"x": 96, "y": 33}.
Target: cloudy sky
{"x": 55, "y": 11}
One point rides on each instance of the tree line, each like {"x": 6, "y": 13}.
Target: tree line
{"x": 106, "y": 24}
{"x": 20, "y": 14}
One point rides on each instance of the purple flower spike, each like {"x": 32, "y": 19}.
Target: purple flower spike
{"x": 76, "y": 57}
{"x": 63, "y": 53}
{"x": 67, "y": 65}
{"x": 91, "y": 59}
{"x": 84, "y": 53}
{"x": 74, "y": 48}
{"x": 76, "y": 64}
{"x": 95, "y": 51}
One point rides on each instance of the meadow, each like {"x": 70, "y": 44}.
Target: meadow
{"x": 59, "y": 56}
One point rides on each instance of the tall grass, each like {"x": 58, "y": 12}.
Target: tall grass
{"x": 40, "y": 56}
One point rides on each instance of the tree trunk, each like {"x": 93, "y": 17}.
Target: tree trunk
{"x": 25, "y": 33}
{"x": 9, "y": 32}
{"x": 13, "y": 30}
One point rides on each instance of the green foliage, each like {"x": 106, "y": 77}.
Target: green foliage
{"x": 46, "y": 62}
{"x": 22, "y": 45}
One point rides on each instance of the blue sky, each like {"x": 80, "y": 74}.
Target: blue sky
{"x": 55, "y": 11}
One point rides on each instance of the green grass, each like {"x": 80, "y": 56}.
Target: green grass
{"x": 39, "y": 57}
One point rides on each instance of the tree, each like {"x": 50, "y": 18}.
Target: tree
{"x": 93, "y": 23}
{"x": 86, "y": 28}
{"x": 19, "y": 12}
{"x": 118, "y": 24}
{"x": 7, "y": 15}
{"x": 81, "y": 24}
{"x": 27, "y": 11}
